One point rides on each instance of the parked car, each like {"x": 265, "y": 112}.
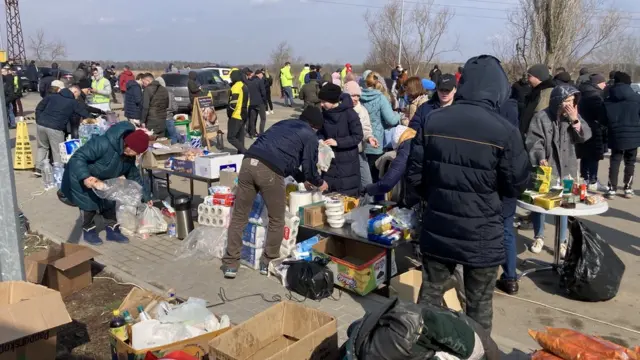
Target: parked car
{"x": 65, "y": 75}
{"x": 209, "y": 81}
{"x": 222, "y": 72}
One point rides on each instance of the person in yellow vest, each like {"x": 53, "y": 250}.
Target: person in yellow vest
{"x": 305, "y": 70}
{"x": 17, "y": 103}
{"x": 101, "y": 91}
{"x": 237, "y": 111}
{"x": 343, "y": 74}
{"x": 286, "y": 82}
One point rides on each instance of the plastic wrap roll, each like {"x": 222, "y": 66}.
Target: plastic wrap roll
{"x": 298, "y": 199}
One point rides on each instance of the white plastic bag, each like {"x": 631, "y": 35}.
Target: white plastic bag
{"x": 151, "y": 221}
{"x": 325, "y": 155}
{"x": 127, "y": 217}
{"x": 205, "y": 243}
{"x": 123, "y": 191}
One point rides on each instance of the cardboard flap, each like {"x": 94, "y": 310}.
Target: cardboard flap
{"x": 27, "y": 308}
{"x": 73, "y": 255}
{"x": 35, "y": 270}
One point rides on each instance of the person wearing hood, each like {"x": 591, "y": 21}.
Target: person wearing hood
{"x": 32, "y": 75}
{"x": 45, "y": 82}
{"x": 258, "y": 99}
{"x": 563, "y": 78}
{"x": 551, "y": 141}
{"x": 312, "y": 69}
{"x": 133, "y": 99}
{"x": 155, "y": 102}
{"x": 237, "y": 111}
{"x": 382, "y": 116}
{"x": 310, "y": 90}
{"x": 584, "y": 76}
{"x": 342, "y": 131}
{"x": 104, "y": 157}
{"x": 125, "y": 76}
{"x": 623, "y": 122}
{"x": 172, "y": 133}
{"x": 444, "y": 96}
{"x": 519, "y": 91}
{"x": 194, "y": 88}
{"x": 343, "y": 74}
{"x": 53, "y": 114}
{"x": 435, "y": 73}
{"x": 335, "y": 79}
{"x": 355, "y": 92}
{"x": 100, "y": 90}
{"x": 286, "y": 82}
{"x": 305, "y": 70}
{"x": 284, "y": 149}
{"x": 592, "y": 110}
{"x": 467, "y": 160}
{"x": 541, "y": 84}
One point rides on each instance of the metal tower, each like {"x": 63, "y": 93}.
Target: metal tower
{"x": 15, "y": 41}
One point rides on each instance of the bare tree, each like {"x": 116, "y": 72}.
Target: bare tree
{"x": 43, "y": 49}
{"x": 622, "y": 54}
{"x": 423, "y": 30}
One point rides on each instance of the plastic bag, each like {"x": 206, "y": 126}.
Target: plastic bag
{"x": 123, "y": 191}
{"x": 205, "y": 243}
{"x": 127, "y": 217}
{"x": 325, "y": 155}
{"x": 576, "y": 347}
{"x": 405, "y": 218}
{"x": 543, "y": 355}
{"x": 593, "y": 343}
{"x": 151, "y": 221}
{"x": 591, "y": 271}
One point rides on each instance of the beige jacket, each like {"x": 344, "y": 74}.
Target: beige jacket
{"x": 413, "y": 107}
{"x": 545, "y": 95}
{"x": 365, "y": 121}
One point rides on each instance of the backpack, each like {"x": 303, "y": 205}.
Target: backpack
{"x": 311, "y": 279}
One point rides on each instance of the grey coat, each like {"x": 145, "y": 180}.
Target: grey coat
{"x": 554, "y": 140}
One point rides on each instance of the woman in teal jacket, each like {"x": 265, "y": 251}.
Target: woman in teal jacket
{"x": 104, "y": 157}
{"x": 382, "y": 116}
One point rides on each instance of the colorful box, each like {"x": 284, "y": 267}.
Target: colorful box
{"x": 183, "y": 166}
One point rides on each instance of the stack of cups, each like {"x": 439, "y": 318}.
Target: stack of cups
{"x": 334, "y": 210}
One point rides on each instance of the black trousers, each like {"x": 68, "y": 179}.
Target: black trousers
{"x": 254, "y": 110}
{"x": 478, "y": 288}
{"x": 269, "y": 102}
{"x": 375, "y": 173}
{"x": 617, "y": 156}
{"x": 108, "y": 216}
{"x": 235, "y": 134}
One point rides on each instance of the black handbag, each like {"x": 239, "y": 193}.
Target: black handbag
{"x": 311, "y": 279}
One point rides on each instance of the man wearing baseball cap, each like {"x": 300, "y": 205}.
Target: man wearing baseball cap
{"x": 446, "y": 88}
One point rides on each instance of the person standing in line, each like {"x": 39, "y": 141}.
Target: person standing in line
{"x": 286, "y": 82}
{"x": 237, "y": 111}
{"x": 623, "y": 122}
{"x": 45, "y": 82}
{"x": 155, "y": 102}
{"x": 520, "y": 90}
{"x": 172, "y": 133}
{"x": 80, "y": 73}
{"x": 309, "y": 92}
{"x": 257, "y": 98}
{"x": 312, "y": 69}
{"x": 133, "y": 100}
{"x": 17, "y": 101}
{"x": 125, "y": 76}
{"x": 305, "y": 70}
{"x": 32, "y": 75}
{"x": 110, "y": 75}
{"x": 80, "y": 92}
{"x": 466, "y": 161}
{"x": 100, "y": 90}
{"x": 541, "y": 84}
{"x": 343, "y": 74}
{"x": 9, "y": 96}
{"x": 416, "y": 94}
{"x": 281, "y": 151}
{"x": 458, "y": 74}
{"x": 584, "y": 76}
{"x": 445, "y": 94}
{"x": 194, "y": 89}
{"x": 268, "y": 84}
{"x": 435, "y": 73}
{"x": 355, "y": 91}
{"x": 591, "y": 107}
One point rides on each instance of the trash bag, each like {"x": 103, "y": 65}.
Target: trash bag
{"x": 151, "y": 221}
{"x": 122, "y": 191}
{"x": 204, "y": 243}
{"x": 311, "y": 279}
{"x": 591, "y": 271}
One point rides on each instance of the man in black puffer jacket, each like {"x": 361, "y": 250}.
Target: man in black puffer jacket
{"x": 591, "y": 108}
{"x": 468, "y": 160}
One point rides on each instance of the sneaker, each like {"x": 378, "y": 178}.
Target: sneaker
{"x": 230, "y": 272}
{"x": 602, "y": 188}
{"x": 610, "y": 194}
{"x": 37, "y": 173}
{"x": 508, "y": 286}
{"x": 91, "y": 236}
{"x": 563, "y": 250}
{"x": 114, "y": 234}
{"x": 272, "y": 112}
{"x": 628, "y": 193}
{"x": 537, "y": 245}
{"x": 264, "y": 268}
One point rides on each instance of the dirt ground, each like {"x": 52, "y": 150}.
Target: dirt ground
{"x": 87, "y": 337}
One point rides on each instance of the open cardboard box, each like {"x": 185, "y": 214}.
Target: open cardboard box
{"x": 66, "y": 269}
{"x": 29, "y": 317}
{"x": 406, "y": 287}
{"x": 155, "y": 158}
{"x": 286, "y": 330}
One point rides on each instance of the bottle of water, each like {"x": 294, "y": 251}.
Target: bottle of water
{"x": 58, "y": 172}
{"x": 47, "y": 175}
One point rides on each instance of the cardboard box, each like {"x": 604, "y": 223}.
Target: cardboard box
{"x": 197, "y": 346}
{"x": 314, "y": 216}
{"x": 183, "y": 166}
{"x": 286, "y": 330}
{"x": 66, "y": 269}
{"x": 210, "y": 166}
{"x": 155, "y": 158}
{"x": 356, "y": 266}
{"x": 407, "y": 287}
{"x": 29, "y": 317}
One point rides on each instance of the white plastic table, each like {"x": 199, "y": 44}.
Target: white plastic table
{"x": 581, "y": 210}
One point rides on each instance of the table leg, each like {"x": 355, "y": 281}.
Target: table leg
{"x": 190, "y": 189}
{"x": 169, "y": 188}
{"x": 150, "y": 175}
{"x": 558, "y": 241}
{"x": 387, "y": 279}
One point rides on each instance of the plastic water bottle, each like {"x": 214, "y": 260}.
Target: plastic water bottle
{"x": 47, "y": 175}
{"x": 58, "y": 172}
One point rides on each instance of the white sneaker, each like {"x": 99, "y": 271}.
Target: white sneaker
{"x": 563, "y": 250}
{"x": 611, "y": 194}
{"x": 628, "y": 193}
{"x": 537, "y": 246}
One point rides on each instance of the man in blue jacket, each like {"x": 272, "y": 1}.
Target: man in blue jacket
{"x": 278, "y": 153}
{"x": 133, "y": 98}
{"x": 467, "y": 160}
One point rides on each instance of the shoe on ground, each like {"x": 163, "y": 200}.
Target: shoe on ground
{"x": 508, "y": 286}
{"x": 537, "y": 246}
{"x": 264, "y": 268}
{"x": 37, "y": 173}
{"x": 563, "y": 250}
{"x": 611, "y": 194}
{"x": 525, "y": 224}
{"x": 602, "y": 188}
{"x": 628, "y": 193}
{"x": 114, "y": 234}
{"x": 91, "y": 237}
{"x": 230, "y": 272}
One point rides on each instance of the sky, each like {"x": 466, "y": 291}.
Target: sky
{"x": 246, "y": 31}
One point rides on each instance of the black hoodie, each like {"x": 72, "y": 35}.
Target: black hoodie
{"x": 468, "y": 160}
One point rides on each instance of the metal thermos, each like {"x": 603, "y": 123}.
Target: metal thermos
{"x": 184, "y": 219}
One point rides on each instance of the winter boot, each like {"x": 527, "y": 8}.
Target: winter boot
{"x": 114, "y": 234}
{"x": 91, "y": 236}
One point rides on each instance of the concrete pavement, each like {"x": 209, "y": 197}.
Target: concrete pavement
{"x": 540, "y": 301}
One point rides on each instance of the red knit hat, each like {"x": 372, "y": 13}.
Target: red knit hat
{"x": 137, "y": 141}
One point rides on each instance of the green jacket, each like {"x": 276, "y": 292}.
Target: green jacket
{"x": 102, "y": 157}
{"x": 286, "y": 79}
{"x": 303, "y": 73}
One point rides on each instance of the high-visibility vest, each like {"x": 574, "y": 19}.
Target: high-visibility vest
{"x": 16, "y": 84}
{"x": 99, "y": 98}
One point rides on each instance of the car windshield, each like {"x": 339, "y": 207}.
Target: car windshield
{"x": 206, "y": 77}
{"x": 636, "y": 87}
{"x": 217, "y": 78}
{"x": 175, "y": 80}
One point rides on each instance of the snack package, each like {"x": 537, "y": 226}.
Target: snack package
{"x": 572, "y": 345}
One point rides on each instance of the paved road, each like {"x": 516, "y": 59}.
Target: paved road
{"x": 540, "y": 302}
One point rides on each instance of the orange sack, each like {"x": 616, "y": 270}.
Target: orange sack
{"x": 543, "y": 355}
{"x": 633, "y": 354}
{"x": 565, "y": 348}
{"x": 594, "y": 344}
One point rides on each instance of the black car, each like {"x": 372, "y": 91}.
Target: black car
{"x": 209, "y": 81}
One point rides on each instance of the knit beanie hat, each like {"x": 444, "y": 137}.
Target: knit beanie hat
{"x": 539, "y": 71}
{"x": 137, "y": 141}
{"x": 330, "y": 93}
{"x": 621, "y": 77}
{"x": 596, "y": 79}
{"x": 352, "y": 88}
{"x": 313, "y": 116}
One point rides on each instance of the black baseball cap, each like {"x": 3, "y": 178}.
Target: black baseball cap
{"x": 447, "y": 82}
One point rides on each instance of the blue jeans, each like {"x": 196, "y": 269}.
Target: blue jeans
{"x": 10, "y": 115}
{"x": 509, "y": 267}
{"x": 172, "y": 133}
{"x": 589, "y": 170}
{"x": 288, "y": 96}
{"x": 538, "y": 226}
